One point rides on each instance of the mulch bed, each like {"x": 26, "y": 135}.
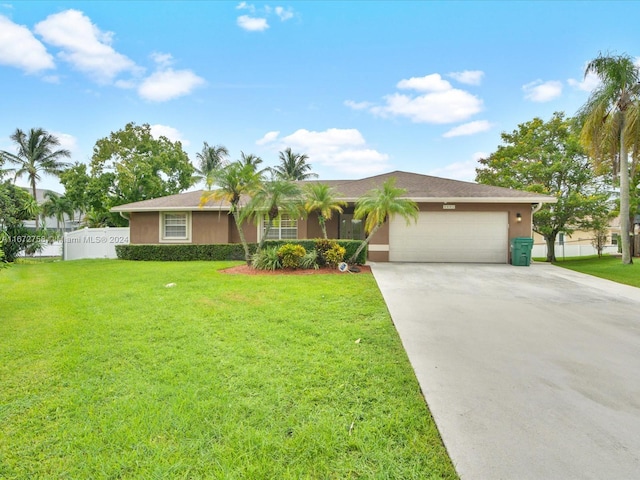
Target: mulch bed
{"x": 247, "y": 270}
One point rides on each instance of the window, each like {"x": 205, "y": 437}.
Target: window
{"x": 283, "y": 228}
{"x": 175, "y": 227}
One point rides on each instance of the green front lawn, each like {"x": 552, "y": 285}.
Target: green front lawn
{"x": 107, "y": 373}
{"x": 607, "y": 267}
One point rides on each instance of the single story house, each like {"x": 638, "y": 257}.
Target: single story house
{"x": 458, "y": 221}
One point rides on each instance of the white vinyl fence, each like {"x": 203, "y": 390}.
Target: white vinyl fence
{"x": 94, "y": 242}
{"x": 568, "y": 250}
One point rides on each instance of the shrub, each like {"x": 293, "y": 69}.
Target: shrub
{"x": 322, "y": 247}
{"x": 310, "y": 260}
{"x": 266, "y": 259}
{"x": 335, "y": 255}
{"x": 172, "y": 253}
{"x": 291, "y": 255}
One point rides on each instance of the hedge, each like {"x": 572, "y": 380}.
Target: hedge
{"x": 219, "y": 251}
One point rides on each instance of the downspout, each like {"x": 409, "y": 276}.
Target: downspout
{"x": 535, "y": 207}
{"x": 125, "y": 216}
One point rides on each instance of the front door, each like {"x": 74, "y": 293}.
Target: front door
{"x": 350, "y": 228}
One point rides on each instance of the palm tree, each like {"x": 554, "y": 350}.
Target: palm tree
{"x": 234, "y": 181}
{"x": 271, "y": 199}
{"x": 210, "y": 159}
{"x": 252, "y": 160}
{"x": 57, "y": 206}
{"x": 293, "y": 166}
{"x": 36, "y": 154}
{"x": 606, "y": 129}
{"x": 319, "y": 198}
{"x": 378, "y": 205}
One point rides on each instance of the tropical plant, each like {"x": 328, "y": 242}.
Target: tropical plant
{"x": 611, "y": 126}
{"x": 235, "y": 181}
{"x": 293, "y": 166}
{"x": 37, "y": 154}
{"x": 380, "y": 204}
{"x": 266, "y": 259}
{"x": 210, "y": 159}
{"x": 95, "y": 218}
{"x": 251, "y": 160}
{"x": 320, "y": 198}
{"x": 16, "y": 206}
{"x": 270, "y": 199}
{"x": 291, "y": 255}
{"x": 57, "y": 206}
{"x": 309, "y": 260}
{"x": 335, "y": 255}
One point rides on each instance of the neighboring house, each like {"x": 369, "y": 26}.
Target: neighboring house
{"x": 458, "y": 221}
{"x": 580, "y": 243}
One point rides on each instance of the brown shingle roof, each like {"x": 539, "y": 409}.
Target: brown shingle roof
{"x": 419, "y": 187}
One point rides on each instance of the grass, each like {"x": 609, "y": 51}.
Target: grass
{"x": 607, "y": 267}
{"x": 107, "y": 373}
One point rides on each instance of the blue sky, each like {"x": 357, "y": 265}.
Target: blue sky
{"x": 361, "y": 87}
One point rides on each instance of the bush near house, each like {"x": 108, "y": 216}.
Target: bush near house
{"x": 220, "y": 252}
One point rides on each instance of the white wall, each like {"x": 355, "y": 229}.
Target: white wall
{"x": 94, "y": 242}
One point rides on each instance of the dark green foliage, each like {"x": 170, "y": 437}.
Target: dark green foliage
{"x": 291, "y": 255}
{"x": 172, "y": 253}
{"x": 223, "y": 251}
{"x": 310, "y": 260}
{"x": 16, "y": 205}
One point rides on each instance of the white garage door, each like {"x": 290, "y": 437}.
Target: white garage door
{"x": 473, "y": 237}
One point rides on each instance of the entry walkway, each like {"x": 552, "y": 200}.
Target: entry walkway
{"x": 529, "y": 372}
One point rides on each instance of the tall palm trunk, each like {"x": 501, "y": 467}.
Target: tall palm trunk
{"x": 323, "y": 225}
{"x": 236, "y": 217}
{"x": 33, "y": 190}
{"x": 624, "y": 194}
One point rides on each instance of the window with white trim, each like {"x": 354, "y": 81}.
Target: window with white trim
{"x": 175, "y": 226}
{"x": 283, "y": 228}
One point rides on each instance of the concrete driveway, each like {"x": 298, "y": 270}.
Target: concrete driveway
{"x": 530, "y": 373}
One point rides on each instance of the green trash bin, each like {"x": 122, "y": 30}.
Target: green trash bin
{"x": 521, "y": 251}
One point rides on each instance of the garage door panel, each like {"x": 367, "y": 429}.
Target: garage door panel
{"x": 469, "y": 237}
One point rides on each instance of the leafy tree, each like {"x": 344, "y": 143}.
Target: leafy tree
{"x": 611, "y": 127}
{"x": 235, "y": 181}
{"x": 293, "y": 166}
{"x": 380, "y": 204}
{"x": 37, "y": 154}
{"x": 320, "y": 198}
{"x": 16, "y": 206}
{"x": 271, "y": 199}
{"x": 209, "y": 160}
{"x": 547, "y": 158}
{"x": 131, "y": 165}
{"x": 57, "y": 206}
{"x": 77, "y": 186}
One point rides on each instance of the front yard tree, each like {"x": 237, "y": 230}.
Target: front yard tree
{"x": 546, "y": 157}
{"x": 235, "y": 181}
{"x": 269, "y": 200}
{"x": 611, "y": 126}
{"x": 131, "y": 165}
{"x": 380, "y": 204}
{"x": 320, "y": 198}
{"x": 37, "y": 154}
{"x": 210, "y": 159}
{"x": 293, "y": 166}
{"x": 57, "y": 206}
{"x": 16, "y": 206}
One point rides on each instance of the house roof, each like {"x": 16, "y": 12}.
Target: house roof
{"x": 420, "y": 188}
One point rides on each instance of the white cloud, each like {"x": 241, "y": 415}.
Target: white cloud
{"x": 169, "y": 84}
{"x": 252, "y": 24}
{"x": 84, "y": 46}
{"x": 539, "y": 91}
{"x": 284, "y": 14}
{"x": 469, "y": 77}
{"x": 20, "y": 49}
{"x": 428, "y": 83}
{"x": 268, "y": 138}
{"x": 343, "y": 151}
{"x": 464, "y": 171}
{"x": 171, "y": 133}
{"x": 470, "y": 128}
{"x": 245, "y": 6}
{"x": 440, "y": 102}
{"x": 67, "y": 142}
{"x": 162, "y": 59}
{"x": 358, "y": 105}
{"x": 439, "y": 107}
{"x": 587, "y": 84}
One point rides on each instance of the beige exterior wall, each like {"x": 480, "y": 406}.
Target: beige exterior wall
{"x": 144, "y": 227}
{"x": 211, "y": 227}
